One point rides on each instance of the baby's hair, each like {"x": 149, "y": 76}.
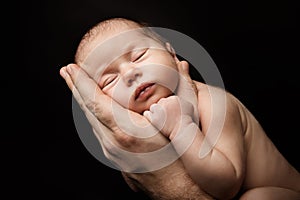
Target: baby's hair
{"x": 85, "y": 44}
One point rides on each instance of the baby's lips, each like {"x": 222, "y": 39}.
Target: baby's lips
{"x": 141, "y": 88}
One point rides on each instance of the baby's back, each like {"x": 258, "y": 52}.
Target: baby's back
{"x": 265, "y": 165}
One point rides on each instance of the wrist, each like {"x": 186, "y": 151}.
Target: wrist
{"x": 185, "y": 122}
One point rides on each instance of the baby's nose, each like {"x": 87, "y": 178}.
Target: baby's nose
{"x": 132, "y": 75}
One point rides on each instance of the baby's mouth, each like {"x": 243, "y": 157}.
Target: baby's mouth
{"x": 143, "y": 91}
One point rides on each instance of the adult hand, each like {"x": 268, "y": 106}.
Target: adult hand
{"x": 187, "y": 89}
{"x": 170, "y": 182}
{"x": 121, "y": 142}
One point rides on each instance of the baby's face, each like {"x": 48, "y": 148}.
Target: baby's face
{"x": 135, "y": 70}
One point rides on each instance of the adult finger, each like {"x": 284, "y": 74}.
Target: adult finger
{"x": 92, "y": 96}
{"x": 103, "y": 133}
{"x": 117, "y": 145}
{"x": 96, "y": 124}
{"x": 183, "y": 69}
{"x": 186, "y": 88}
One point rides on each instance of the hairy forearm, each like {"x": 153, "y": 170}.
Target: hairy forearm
{"x": 214, "y": 173}
{"x": 179, "y": 188}
{"x": 169, "y": 183}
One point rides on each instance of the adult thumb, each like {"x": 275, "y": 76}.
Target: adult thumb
{"x": 183, "y": 68}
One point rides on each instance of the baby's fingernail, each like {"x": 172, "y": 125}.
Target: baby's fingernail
{"x": 147, "y": 115}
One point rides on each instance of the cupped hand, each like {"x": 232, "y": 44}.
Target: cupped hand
{"x": 131, "y": 143}
{"x": 158, "y": 184}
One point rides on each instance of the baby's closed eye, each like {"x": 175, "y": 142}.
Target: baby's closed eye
{"x": 138, "y": 55}
{"x": 107, "y": 80}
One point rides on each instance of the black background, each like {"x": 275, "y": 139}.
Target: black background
{"x": 253, "y": 43}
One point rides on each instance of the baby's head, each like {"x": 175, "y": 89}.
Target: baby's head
{"x": 130, "y": 62}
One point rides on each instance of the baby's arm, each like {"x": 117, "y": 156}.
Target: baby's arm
{"x": 221, "y": 172}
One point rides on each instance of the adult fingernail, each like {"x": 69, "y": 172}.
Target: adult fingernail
{"x": 70, "y": 68}
{"x": 184, "y": 66}
{"x": 63, "y": 72}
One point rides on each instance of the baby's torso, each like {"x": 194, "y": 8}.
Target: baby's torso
{"x": 265, "y": 165}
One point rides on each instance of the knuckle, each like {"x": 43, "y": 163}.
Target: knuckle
{"x": 152, "y": 107}
{"x": 102, "y": 114}
{"x": 126, "y": 140}
{"x": 97, "y": 109}
{"x": 155, "y": 108}
{"x": 148, "y": 115}
{"x": 157, "y": 117}
{"x": 174, "y": 98}
{"x": 109, "y": 150}
{"x": 162, "y": 100}
{"x": 90, "y": 104}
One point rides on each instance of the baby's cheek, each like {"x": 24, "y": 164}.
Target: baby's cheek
{"x": 121, "y": 95}
{"x": 170, "y": 80}
{"x": 121, "y": 98}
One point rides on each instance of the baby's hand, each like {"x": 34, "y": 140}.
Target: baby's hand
{"x": 169, "y": 115}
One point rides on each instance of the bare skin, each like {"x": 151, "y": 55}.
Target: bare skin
{"x": 158, "y": 184}
{"x": 232, "y": 166}
{"x": 267, "y": 174}
{"x": 241, "y": 141}
{"x": 169, "y": 183}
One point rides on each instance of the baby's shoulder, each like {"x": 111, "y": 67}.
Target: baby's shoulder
{"x": 207, "y": 94}
{"x": 216, "y": 99}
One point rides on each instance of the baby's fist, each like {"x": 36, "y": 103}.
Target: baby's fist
{"x": 156, "y": 115}
{"x": 170, "y": 114}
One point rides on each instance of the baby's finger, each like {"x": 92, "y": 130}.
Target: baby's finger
{"x": 154, "y": 107}
{"x": 148, "y": 114}
{"x": 158, "y": 116}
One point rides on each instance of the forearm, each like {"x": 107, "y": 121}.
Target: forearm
{"x": 214, "y": 173}
{"x": 180, "y": 187}
{"x": 170, "y": 183}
